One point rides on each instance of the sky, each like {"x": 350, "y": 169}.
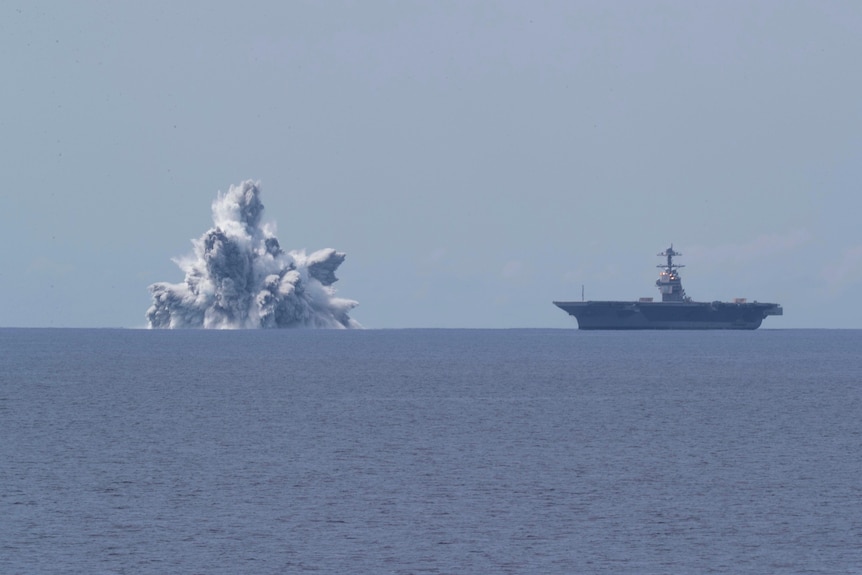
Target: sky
{"x": 474, "y": 160}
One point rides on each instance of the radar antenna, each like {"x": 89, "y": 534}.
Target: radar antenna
{"x": 669, "y": 253}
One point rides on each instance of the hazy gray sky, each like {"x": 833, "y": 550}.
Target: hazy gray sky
{"x": 475, "y": 160}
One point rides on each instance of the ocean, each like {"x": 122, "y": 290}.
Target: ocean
{"x": 430, "y": 451}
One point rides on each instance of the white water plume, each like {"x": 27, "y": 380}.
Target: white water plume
{"x": 239, "y": 277}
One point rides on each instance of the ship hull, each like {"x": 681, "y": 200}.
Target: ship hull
{"x": 594, "y": 315}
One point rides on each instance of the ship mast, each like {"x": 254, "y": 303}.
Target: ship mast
{"x": 669, "y": 282}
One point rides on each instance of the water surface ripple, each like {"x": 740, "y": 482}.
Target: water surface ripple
{"x": 430, "y": 451}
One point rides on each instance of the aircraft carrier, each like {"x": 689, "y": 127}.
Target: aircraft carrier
{"x": 674, "y": 311}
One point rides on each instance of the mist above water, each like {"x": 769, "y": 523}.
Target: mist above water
{"x": 239, "y": 277}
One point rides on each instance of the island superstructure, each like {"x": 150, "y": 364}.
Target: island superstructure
{"x": 674, "y": 311}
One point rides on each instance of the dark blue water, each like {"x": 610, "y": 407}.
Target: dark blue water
{"x": 430, "y": 451}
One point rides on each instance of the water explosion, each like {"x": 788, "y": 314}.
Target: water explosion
{"x": 240, "y": 277}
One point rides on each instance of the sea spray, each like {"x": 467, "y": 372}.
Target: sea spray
{"x": 238, "y": 276}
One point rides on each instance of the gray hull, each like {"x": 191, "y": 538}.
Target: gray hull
{"x": 668, "y": 315}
